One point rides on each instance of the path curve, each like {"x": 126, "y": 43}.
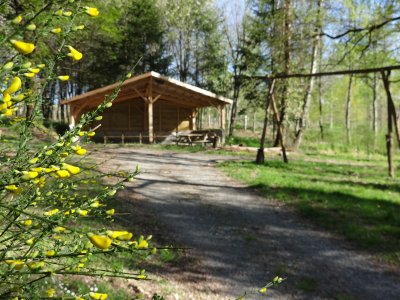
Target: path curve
{"x": 241, "y": 239}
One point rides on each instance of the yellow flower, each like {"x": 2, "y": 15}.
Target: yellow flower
{"x": 33, "y": 160}
{"x": 37, "y": 169}
{"x": 98, "y": 118}
{"x": 41, "y": 66}
{"x": 60, "y": 229}
{"x": 15, "y": 86}
{"x": 110, "y": 212}
{"x": 92, "y": 133}
{"x": 63, "y": 77}
{"x": 29, "y": 75}
{"x": 13, "y": 188}
{"x": 30, "y": 241}
{"x": 48, "y": 152}
{"x": 262, "y": 290}
{"x": 51, "y": 212}
{"x": 98, "y": 296}
{"x": 67, "y": 13}
{"x": 119, "y": 235}
{"x": 91, "y": 11}
{"x": 15, "y": 264}
{"x": 81, "y": 151}
{"x": 56, "y": 30}
{"x": 71, "y": 169}
{"x": 34, "y": 70}
{"x": 58, "y": 12}
{"x": 82, "y": 212}
{"x": 108, "y": 105}
{"x": 79, "y": 27}
{"x": 50, "y": 253}
{"x": 29, "y": 175}
{"x": 27, "y": 222}
{"x": 22, "y": 47}
{"x": 95, "y": 204}
{"x": 31, "y": 27}
{"x": 63, "y": 173}
{"x": 35, "y": 265}
{"x": 17, "y": 19}
{"x": 100, "y": 241}
{"x": 75, "y": 54}
{"x": 26, "y": 65}
{"x": 50, "y": 293}
{"x": 8, "y": 66}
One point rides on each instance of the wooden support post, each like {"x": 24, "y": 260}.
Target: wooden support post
{"x": 389, "y": 150}
{"x": 150, "y": 120}
{"x": 150, "y": 112}
{"x": 222, "y": 116}
{"x": 245, "y": 123}
{"x": 105, "y": 140}
{"x": 260, "y": 153}
{"x": 72, "y": 119}
{"x": 193, "y": 119}
{"x": 140, "y": 138}
{"x": 123, "y": 138}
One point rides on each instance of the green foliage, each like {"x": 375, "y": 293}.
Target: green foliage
{"x": 47, "y": 191}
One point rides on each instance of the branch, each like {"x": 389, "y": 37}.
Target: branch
{"x": 354, "y": 30}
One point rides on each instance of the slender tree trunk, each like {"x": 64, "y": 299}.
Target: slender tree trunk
{"x": 321, "y": 110}
{"x": 348, "y": 110}
{"x": 236, "y": 91}
{"x": 313, "y": 68}
{"x": 375, "y": 106}
{"x": 287, "y": 36}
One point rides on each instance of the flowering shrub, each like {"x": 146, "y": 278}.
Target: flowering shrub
{"x": 44, "y": 192}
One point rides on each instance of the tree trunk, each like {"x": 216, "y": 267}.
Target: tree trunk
{"x": 321, "y": 110}
{"x": 374, "y": 106}
{"x": 348, "y": 110}
{"x": 236, "y": 90}
{"x": 260, "y": 152}
{"x": 313, "y": 68}
{"x": 287, "y": 36}
{"x": 389, "y": 148}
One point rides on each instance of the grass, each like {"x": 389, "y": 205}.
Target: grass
{"x": 351, "y": 197}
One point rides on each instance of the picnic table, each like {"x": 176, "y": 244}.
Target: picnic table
{"x": 190, "y": 138}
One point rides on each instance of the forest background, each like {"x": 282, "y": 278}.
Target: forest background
{"x": 221, "y": 45}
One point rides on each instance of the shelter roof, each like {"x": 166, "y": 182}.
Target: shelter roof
{"x": 153, "y": 84}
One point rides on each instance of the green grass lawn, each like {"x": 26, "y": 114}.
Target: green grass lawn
{"x": 355, "y": 200}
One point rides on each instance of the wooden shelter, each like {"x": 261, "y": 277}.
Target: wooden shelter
{"x": 149, "y": 106}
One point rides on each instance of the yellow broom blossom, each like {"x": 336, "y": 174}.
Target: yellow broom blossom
{"x": 100, "y": 241}
{"x": 119, "y": 235}
{"x": 75, "y": 54}
{"x": 17, "y": 19}
{"x": 13, "y": 188}
{"x": 51, "y": 212}
{"x": 34, "y": 70}
{"x": 63, "y": 173}
{"x": 15, "y": 86}
{"x": 63, "y": 77}
{"x": 98, "y": 296}
{"x": 29, "y": 75}
{"x": 56, "y": 30}
{"x": 31, "y": 27}
{"x": 71, "y": 169}
{"x": 27, "y": 175}
{"x": 91, "y": 11}
{"x": 22, "y": 47}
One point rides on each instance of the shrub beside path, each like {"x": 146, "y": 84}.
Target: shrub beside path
{"x": 238, "y": 240}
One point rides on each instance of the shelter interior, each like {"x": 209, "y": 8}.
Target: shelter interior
{"x": 148, "y": 108}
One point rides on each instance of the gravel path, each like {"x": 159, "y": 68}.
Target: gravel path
{"x": 240, "y": 239}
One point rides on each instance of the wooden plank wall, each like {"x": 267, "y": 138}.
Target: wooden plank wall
{"x": 131, "y": 117}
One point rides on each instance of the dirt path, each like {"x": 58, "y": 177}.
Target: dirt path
{"x": 240, "y": 240}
